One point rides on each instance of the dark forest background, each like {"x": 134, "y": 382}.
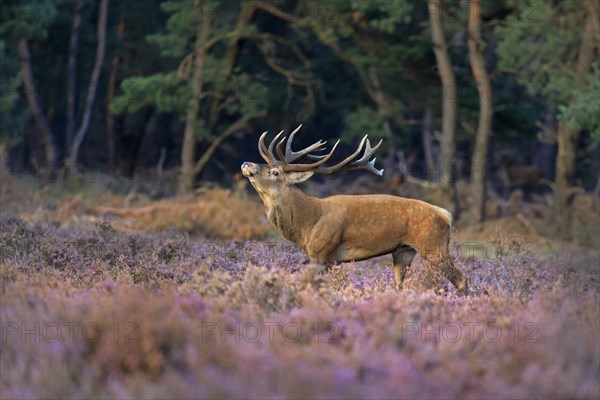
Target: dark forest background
{"x": 503, "y": 95}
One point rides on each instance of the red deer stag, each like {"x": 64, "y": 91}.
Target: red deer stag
{"x": 348, "y": 228}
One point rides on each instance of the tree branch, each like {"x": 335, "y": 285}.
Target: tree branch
{"x": 242, "y": 124}
{"x": 275, "y": 12}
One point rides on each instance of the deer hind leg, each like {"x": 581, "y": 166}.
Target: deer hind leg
{"x": 402, "y": 257}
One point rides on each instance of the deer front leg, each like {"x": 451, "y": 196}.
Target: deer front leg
{"x": 456, "y": 277}
{"x": 442, "y": 259}
{"x": 323, "y": 247}
{"x": 324, "y": 254}
{"x": 402, "y": 257}
{"x": 452, "y": 273}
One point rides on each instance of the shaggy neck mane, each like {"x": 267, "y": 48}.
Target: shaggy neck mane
{"x": 292, "y": 212}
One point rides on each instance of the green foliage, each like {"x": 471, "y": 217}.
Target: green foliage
{"x": 384, "y": 16}
{"x": 167, "y": 92}
{"x": 375, "y": 38}
{"x": 253, "y": 95}
{"x": 584, "y": 111}
{"x": 19, "y": 19}
{"x": 181, "y": 27}
{"x": 28, "y": 19}
{"x": 345, "y": 67}
{"x": 239, "y": 92}
{"x": 540, "y": 52}
{"x": 365, "y": 120}
{"x": 202, "y": 132}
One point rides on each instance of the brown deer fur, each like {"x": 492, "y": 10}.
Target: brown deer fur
{"x": 357, "y": 227}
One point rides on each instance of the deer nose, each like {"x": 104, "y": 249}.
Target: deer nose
{"x": 248, "y": 169}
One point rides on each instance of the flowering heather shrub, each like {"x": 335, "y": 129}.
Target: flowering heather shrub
{"x": 90, "y": 312}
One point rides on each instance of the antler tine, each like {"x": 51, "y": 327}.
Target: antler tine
{"x": 313, "y": 166}
{"x": 282, "y": 157}
{"x": 288, "y": 146}
{"x": 295, "y": 155}
{"x": 364, "y": 163}
{"x": 369, "y": 166}
{"x": 291, "y": 155}
{"x": 339, "y": 166}
{"x": 272, "y": 145}
{"x": 316, "y": 157}
{"x": 262, "y": 149}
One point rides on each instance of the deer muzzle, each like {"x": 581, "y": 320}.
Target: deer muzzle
{"x": 249, "y": 169}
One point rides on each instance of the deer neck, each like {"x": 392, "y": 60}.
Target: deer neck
{"x": 292, "y": 212}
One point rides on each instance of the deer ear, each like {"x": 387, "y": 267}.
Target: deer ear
{"x": 297, "y": 177}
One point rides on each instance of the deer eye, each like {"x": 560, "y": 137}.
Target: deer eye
{"x": 274, "y": 172}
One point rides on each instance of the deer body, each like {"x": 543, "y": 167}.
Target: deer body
{"x": 347, "y": 228}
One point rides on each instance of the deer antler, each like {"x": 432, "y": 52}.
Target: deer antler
{"x": 264, "y": 152}
{"x": 286, "y": 160}
{"x": 291, "y": 156}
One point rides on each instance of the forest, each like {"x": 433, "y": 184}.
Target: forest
{"x": 136, "y": 259}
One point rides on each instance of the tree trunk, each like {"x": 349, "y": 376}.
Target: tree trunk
{"x": 36, "y": 109}
{"x": 72, "y": 73}
{"x": 133, "y": 140}
{"x": 486, "y": 111}
{"x": 4, "y": 164}
{"x": 374, "y": 78}
{"x": 568, "y": 136}
{"x": 51, "y": 110}
{"x": 110, "y": 118}
{"x": 447, "y": 167}
{"x": 188, "y": 151}
{"x": 427, "y": 139}
{"x": 5, "y": 170}
{"x": 227, "y": 64}
{"x": 112, "y": 92}
{"x": 91, "y": 92}
{"x": 545, "y": 152}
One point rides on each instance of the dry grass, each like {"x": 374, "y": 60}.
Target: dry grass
{"x": 214, "y": 212}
